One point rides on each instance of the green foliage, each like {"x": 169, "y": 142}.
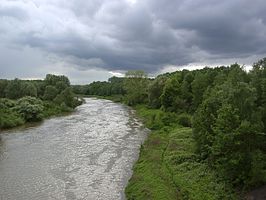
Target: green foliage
{"x": 9, "y": 118}
{"x": 14, "y": 89}
{"x": 29, "y": 89}
{"x": 30, "y": 108}
{"x": 229, "y": 131}
{"x": 151, "y": 178}
{"x": 116, "y": 86}
{"x": 168, "y": 168}
{"x": 170, "y": 98}
{"x": 80, "y": 89}
{"x": 50, "y": 93}
{"x": 7, "y": 103}
{"x": 226, "y": 129}
{"x": 199, "y": 86}
{"x": 151, "y": 117}
{"x": 99, "y": 88}
{"x": 155, "y": 90}
{"x": 66, "y": 97}
{"x": 54, "y": 80}
{"x": 184, "y": 119}
{"x": 136, "y": 86}
{"x": 53, "y": 109}
{"x": 156, "y": 119}
{"x": 3, "y": 85}
{"x": 28, "y": 104}
{"x": 60, "y": 85}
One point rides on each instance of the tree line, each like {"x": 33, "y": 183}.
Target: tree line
{"x": 31, "y": 100}
{"x": 225, "y": 106}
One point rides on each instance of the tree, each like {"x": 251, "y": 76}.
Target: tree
{"x": 14, "y": 89}
{"x": 136, "y": 85}
{"x": 116, "y": 85}
{"x": 227, "y": 129}
{"x": 258, "y": 81}
{"x": 30, "y": 108}
{"x": 155, "y": 91}
{"x": 199, "y": 86}
{"x": 50, "y": 93}
{"x": 51, "y": 79}
{"x": 3, "y": 85}
{"x": 61, "y": 85}
{"x": 29, "y": 89}
{"x": 171, "y": 98}
{"x": 186, "y": 91}
{"x": 66, "y": 97}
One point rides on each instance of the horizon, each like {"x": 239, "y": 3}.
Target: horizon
{"x": 122, "y": 75}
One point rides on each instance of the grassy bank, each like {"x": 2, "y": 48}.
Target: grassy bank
{"x": 168, "y": 168}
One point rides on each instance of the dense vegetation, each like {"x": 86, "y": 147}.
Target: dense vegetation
{"x": 114, "y": 86}
{"x": 32, "y": 100}
{"x": 225, "y": 148}
{"x": 168, "y": 166}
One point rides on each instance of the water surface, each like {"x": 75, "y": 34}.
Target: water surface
{"x": 86, "y": 155}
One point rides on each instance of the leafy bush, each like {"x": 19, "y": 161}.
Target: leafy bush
{"x": 65, "y": 108}
{"x": 66, "y": 97}
{"x": 6, "y": 103}
{"x": 184, "y": 119}
{"x": 30, "y": 108}
{"x": 50, "y": 93}
{"x": 9, "y": 118}
{"x": 168, "y": 118}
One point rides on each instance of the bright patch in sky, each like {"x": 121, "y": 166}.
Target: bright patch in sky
{"x": 117, "y": 74}
{"x": 132, "y": 1}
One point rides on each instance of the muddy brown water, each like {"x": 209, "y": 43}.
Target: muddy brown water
{"x": 86, "y": 155}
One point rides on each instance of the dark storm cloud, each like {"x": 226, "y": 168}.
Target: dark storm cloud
{"x": 147, "y": 34}
{"x": 225, "y": 28}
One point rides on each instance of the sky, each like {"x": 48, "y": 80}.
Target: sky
{"x": 90, "y": 40}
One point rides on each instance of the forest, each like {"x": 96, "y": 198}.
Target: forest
{"x": 208, "y": 130}
{"x": 24, "y": 101}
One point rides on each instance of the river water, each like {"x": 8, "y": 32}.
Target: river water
{"x": 86, "y": 155}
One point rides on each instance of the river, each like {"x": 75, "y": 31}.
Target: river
{"x": 86, "y": 155}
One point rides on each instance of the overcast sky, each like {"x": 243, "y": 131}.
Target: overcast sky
{"x": 91, "y": 40}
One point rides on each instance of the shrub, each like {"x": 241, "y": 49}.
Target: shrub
{"x": 169, "y": 118}
{"x": 184, "y": 119}
{"x": 6, "y": 103}
{"x": 67, "y": 97}
{"x": 30, "y": 108}
{"x": 9, "y": 118}
{"x": 50, "y": 93}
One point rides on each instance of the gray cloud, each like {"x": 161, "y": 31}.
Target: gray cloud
{"x": 148, "y": 34}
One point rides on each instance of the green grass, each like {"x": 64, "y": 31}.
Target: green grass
{"x": 151, "y": 178}
{"x": 168, "y": 168}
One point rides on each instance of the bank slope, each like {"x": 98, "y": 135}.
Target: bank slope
{"x": 168, "y": 168}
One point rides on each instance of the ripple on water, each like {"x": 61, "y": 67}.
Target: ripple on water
{"x": 86, "y": 155}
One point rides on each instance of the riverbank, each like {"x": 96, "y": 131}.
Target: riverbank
{"x": 15, "y": 113}
{"x": 167, "y": 167}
